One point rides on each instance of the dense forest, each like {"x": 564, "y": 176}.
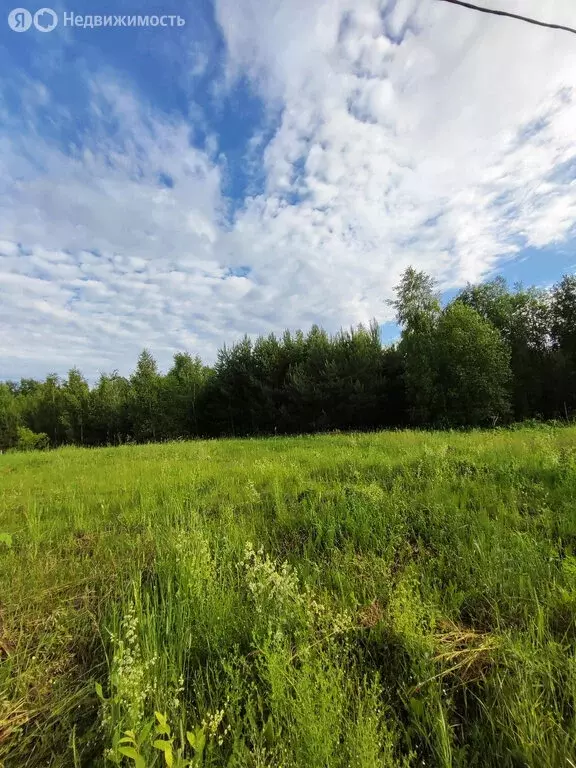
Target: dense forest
{"x": 490, "y": 356}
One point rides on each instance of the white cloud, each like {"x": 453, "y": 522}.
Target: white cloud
{"x": 407, "y": 153}
{"x": 437, "y": 151}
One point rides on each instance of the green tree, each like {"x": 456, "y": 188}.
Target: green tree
{"x": 144, "y": 403}
{"x": 233, "y": 392}
{"x": 416, "y": 301}
{"x": 76, "y": 405}
{"x": 8, "y": 418}
{"x": 417, "y": 312}
{"x": 523, "y": 319}
{"x": 310, "y": 383}
{"x": 45, "y": 410}
{"x": 108, "y": 411}
{"x": 338, "y": 381}
{"x": 182, "y": 392}
{"x": 563, "y": 310}
{"x": 472, "y": 369}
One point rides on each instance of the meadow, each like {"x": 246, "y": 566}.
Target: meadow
{"x": 388, "y": 599}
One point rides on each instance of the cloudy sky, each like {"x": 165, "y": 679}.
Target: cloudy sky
{"x": 269, "y": 165}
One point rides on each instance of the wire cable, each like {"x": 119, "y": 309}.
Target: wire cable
{"x": 494, "y": 12}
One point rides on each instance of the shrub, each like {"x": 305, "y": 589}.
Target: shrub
{"x": 31, "y": 441}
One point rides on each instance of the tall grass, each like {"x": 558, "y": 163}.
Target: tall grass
{"x": 402, "y": 599}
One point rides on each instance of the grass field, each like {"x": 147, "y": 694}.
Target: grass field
{"x": 400, "y": 599}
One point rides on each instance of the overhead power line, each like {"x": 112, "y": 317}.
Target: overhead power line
{"x": 494, "y": 12}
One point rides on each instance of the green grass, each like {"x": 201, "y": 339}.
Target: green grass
{"x": 400, "y": 599}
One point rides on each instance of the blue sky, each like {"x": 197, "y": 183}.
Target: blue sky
{"x": 271, "y": 165}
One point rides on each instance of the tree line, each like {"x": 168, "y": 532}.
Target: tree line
{"x": 490, "y": 356}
